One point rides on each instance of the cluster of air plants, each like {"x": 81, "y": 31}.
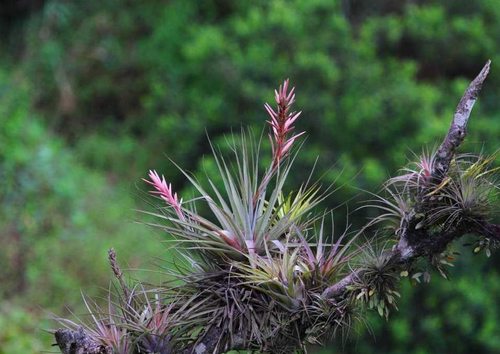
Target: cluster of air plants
{"x": 261, "y": 271}
{"x": 137, "y": 325}
{"x": 422, "y": 206}
{"x": 467, "y": 195}
{"x": 255, "y": 267}
{"x": 136, "y": 320}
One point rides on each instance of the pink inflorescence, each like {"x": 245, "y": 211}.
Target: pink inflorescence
{"x": 282, "y": 122}
{"x": 164, "y": 190}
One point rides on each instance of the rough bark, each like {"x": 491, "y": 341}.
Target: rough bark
{"x": 458, "y": 128}
{"x": 78, "y": 342}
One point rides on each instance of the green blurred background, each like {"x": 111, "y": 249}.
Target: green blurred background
{"x": 94, "y": 93}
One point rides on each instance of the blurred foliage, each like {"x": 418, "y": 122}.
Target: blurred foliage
{"x": 94, "y": 93}
{"x": 57, "y": 219}
{"x": 19, "y": 333}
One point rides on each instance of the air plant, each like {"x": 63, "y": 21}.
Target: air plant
{"x": 403, "y": 194}
{"x": 256, "y": 265}
{"x": 249, "y": 215}
{"x": 330, "y": 317}
{"x": 417, "y": 175}
{"x": 377, "y": 279}
{"x": 321, "y": 261}
{"x": 151, "y": 321}
{"x": 470, "y": 193}
{"x": 277, "y": 277}
{"x": 394, "y": 206}
{"x": 106, "y": 328}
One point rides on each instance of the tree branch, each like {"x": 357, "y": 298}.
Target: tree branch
{"x": 458, "y": 129}
{"x": 416, "y": 242}
{"x": 78, "y": 342}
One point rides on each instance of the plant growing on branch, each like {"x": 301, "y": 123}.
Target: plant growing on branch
{"x": 264, "y": 273}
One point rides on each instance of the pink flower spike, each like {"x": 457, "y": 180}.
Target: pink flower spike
{"x": 164, "y": 190}
{"x": 282, "y": 122}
